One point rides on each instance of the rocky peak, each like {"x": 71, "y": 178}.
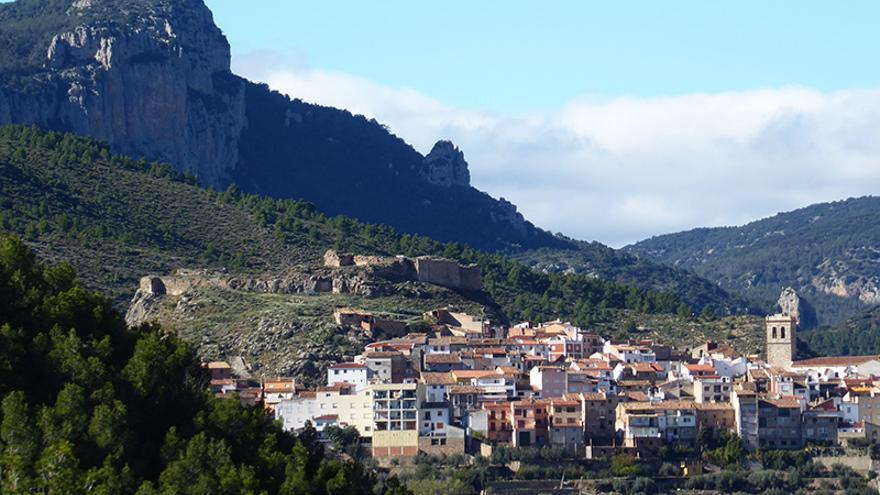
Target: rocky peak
{"x": 445, "y": 166}
{"x": 791, "y": 304}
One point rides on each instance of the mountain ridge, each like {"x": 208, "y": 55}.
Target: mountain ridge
{"x": 827, "y": 252}
{"x": 152, "y": 78}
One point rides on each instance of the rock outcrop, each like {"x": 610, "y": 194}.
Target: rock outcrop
{"x": 445, "y": 166}
{"x": 791, "y": 304}
{"x": 158, "y": 87}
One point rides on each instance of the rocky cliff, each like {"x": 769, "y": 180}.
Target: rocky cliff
{"x": 152, "y": 78}
{"x": 156, "y": 84}
{"x": 445, "y": 166}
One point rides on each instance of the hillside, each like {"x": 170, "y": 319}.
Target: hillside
{"x": 117, "y": 220}
{"x": 827, "y": 252}
{"x": 858, "y": 335}
{"x": 88, "y": 405}
{"x": 152, "y": 78}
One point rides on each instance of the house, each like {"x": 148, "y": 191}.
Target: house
{"x": 356, "y": 374}
{"x": 463, "y": 399}
{"x": 779, "y": 424}
{"x": 820, "y": 423}
{"x": 443, "y": 362}
{"x": 715, "y": 417}
{"x": 598, "y": 411}
{"x": 437, "y": 385}
{"x": 648, "y": 425}
{"x": 387, "y": 366}
{"x": 566, "y": 421}
{"x": 352, "y": 407}
{"x": 629, "y": 353}
{"x": 219, "y": 370}
{"x": 744, "y": 398}
{"x": 499, "y": 422}
{"x": 549, "y": 380}
{"x": 712, "y": 389}
{"x": 839, "y": 367}
{"x": 865, "y": 400}
{"x": 276, "y": 390}
{"x": 530, "y": 419}
{"x": 694, "y": 371}
{"x": 396, "y": 419}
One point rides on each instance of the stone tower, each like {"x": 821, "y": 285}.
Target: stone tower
{"x": 781, "y": 341}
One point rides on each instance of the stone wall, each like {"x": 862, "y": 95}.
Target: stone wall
{"x": 859, "y": 463}
{"x": 448, "y": 273}
{"x": 441, "y": 446}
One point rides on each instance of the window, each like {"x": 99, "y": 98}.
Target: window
{"x": 782, "y": 331}
{"x": 774, "y": 332}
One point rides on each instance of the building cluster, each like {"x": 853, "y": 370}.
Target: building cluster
{"x": 466, "y": 383}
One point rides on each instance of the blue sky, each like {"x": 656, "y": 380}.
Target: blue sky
{"x": 610, "y": 121}
{"x": 514, "y": 56}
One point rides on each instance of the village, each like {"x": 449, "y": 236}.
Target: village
{"x": 468, "y": 386}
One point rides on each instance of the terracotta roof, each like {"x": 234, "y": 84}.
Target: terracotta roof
{"x": 648, "y": 367}
{"x": 594, "y": 396}
{"x": 834, "y": 361}
{"x": 708, "y": 368}
{"x": 465, "y": 389}
{"x": 469, "y": 374}
{"x": 443, "y": 358}
{"x": 347, "y": 366}
{"x": 437, "y": 378}
{"x": 382, "y": 354}
{"x": 784, "y": 403}
{"x": 637, "y": 396}
{"x": 327, "y": 417}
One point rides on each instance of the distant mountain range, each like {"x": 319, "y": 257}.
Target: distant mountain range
{"x": 829, "y": 253}
{"x": 152, "y": 78}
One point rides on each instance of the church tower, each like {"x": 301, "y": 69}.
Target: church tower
{"x": 781, "y": 341}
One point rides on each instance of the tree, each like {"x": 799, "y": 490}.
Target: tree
{"x": 708, "y": 313}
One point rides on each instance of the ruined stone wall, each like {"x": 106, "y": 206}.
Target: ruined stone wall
{"x": 448, "y": 274}
{"x": 332, "y": 259}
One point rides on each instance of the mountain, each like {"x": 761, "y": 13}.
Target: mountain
{"x": 117, "y": 220}
{"x": 828, "y": 253}
{"x": 152, "y": 78}
{"x": 858, "y": 335}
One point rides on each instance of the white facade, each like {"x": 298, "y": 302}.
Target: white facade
{"x": 355, "y": 374}
{"x": 354, "y": 408}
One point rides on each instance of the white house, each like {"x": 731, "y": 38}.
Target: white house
{"x": 354, "y": 373}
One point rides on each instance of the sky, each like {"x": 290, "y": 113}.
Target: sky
{"x": 611, "y": 121}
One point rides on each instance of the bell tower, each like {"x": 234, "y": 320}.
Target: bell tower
{"x": 781, "y": 340}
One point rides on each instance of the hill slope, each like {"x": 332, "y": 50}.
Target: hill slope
{"x": 827, "y": 252}
{"x": 117, "y": 219}
{"x": 89, "y": 405}
{"x": 152, "y": 78}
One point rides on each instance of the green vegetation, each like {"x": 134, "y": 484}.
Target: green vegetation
{"x": 817, "y": 246}
{"x": 857, "y": 336}
{"x": 88, "y": 405}
{"x": 117, "y": 219}
{"x": 288, "y": 334}
{"x": 508, "y": 470}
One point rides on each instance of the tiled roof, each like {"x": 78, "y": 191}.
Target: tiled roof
{"x": 348, "y": 366}
{"x": 834, "y": 361}
{"x": 443, "y": 358}
{"x": 437, "y": 378}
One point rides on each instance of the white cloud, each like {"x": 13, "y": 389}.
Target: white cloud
{"x": 621, "y": 169}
